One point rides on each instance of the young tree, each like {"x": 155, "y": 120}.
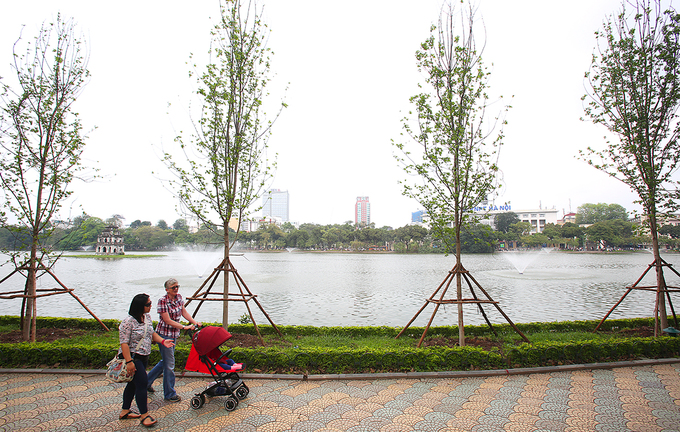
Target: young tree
{"x": 458, "y": 151}
{"x": 634, "y": 92}
{"x": 226, "y": 165}
{"x": 41, "y": 141}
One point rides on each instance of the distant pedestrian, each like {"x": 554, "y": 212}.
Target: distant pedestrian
{"x": 170, "y": 310}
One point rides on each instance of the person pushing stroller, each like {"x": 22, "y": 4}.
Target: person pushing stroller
{"x": 170, "y": 310}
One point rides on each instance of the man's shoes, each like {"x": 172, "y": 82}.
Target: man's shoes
{"x": 150, "y": 389}
{"x": 175, "y": 398}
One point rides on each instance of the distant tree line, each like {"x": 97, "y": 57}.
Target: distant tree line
{"x": 599, "y": 225}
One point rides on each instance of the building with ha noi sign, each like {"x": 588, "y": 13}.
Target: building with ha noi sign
{"x": 538, "y": 218}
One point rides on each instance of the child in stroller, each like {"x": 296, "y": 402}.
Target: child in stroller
{"x": 206, "y": 357}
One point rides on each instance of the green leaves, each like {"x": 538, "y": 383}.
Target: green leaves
{"x": 226, "y": 163}
{"x": 635, "y": 93}
{"x": 40, "y": 135}
{"x": 457, "y": 155}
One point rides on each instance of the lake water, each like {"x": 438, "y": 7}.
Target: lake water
{"x": 338, "y": 289}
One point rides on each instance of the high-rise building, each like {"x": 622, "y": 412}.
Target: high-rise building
{"x": 275, "y": 202}
{"x": 362, "y": 211}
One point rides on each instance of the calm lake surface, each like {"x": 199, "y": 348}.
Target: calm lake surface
{"x": 338, "y": 289}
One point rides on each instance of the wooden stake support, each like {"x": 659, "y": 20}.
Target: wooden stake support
{"x": 45, "y": 291}
{"x": 459, "y": 269}
{"x": 661, "y": 291}
{"x": 244, "y": 295}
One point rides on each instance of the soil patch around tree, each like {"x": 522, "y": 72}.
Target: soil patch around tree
{"x": 450, "y": 342}
{"x": 42, "y": 335}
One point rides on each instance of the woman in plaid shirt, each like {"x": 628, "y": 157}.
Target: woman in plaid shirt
{"x": 170, "y": 309}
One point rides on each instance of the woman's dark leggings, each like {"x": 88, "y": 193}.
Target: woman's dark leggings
{"x": 137, "y": 387}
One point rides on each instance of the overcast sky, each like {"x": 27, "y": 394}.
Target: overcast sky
{"x": 350, "y": 69}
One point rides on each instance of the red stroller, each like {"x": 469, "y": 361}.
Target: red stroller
{"x": 206, "y": 357}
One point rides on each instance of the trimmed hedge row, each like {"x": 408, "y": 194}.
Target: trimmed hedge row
{"x": 361, "y": 361}
{"x": 346, "y": 360}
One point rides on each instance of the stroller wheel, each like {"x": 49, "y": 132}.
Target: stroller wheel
{"x": 242, "y": 392}
{"x": 197, "y": 401}
{"x": 231, "y": 403}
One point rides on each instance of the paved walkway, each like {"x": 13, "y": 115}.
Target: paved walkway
{"x": 631, "y": 398}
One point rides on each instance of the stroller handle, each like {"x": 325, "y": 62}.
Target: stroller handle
{"x": 195, "y": 330}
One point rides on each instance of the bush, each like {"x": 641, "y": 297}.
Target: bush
{"x": 362, "y": 360}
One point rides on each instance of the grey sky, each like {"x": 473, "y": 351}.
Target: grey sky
{"x": 351, "y": 69}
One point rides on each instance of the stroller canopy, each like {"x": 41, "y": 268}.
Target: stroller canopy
{"x": 209, "y": 338}
{"x": 205, "y": 344}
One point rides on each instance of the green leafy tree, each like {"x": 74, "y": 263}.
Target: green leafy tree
{"x": 148, "y": 238}
{"x": 478, "y": 238}
{"x": 535, "y": 240}
{"x": 634, "y": 92}
{"x": 225, "y": 167}
{"x": 673, "y": 231}
{"x": 457, "y": 147}
{"x": 180, "y": 225}
{"x": 502, "y": 221}
{"x": 162, "y": 224}
{"x": 83, "y": 234}
{"x": 136, "y": 224}
{"x": 552, "y": 231}
{"x": 410, "y": 236}
{"x": 591, "y": 213}
{"x": 616, "y": 233}
{"x": 571, "y": 230}
{"x": 520, "y": 228}
{"x": 41, "y": 142}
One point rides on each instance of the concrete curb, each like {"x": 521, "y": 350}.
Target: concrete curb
{"x": 388, "y": 375}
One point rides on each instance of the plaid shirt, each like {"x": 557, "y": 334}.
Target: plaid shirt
{"x": 174, "y": 310}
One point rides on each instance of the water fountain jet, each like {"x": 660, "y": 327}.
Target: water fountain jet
{"x": 521, "y": 260}
{"x": 201, "y": 256}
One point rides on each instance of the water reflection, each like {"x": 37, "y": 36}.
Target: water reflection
{"x": 354, "y": 289}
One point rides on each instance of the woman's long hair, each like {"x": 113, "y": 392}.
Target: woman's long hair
{"x": 137, "y": 306}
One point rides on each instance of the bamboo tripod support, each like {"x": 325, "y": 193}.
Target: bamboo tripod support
{"x": 47, "y": 291}
{"x": 244, "y": 295}
{"x": 446, "y": 283}
{"x": 661, "y": 291}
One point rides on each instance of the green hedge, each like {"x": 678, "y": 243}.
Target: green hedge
{"x": 347, "y": 360}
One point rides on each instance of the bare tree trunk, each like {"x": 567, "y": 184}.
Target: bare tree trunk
{"x": 29, "y": 323}
{"x": 660, "y": 280}
{"x": 459, "y": 290}
{"x": 225, "y": 303}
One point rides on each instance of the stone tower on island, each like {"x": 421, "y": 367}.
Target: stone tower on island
{"x": 110, "y": 242}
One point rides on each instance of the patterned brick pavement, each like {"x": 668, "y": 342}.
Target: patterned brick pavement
{"x": 644, "y": 398}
